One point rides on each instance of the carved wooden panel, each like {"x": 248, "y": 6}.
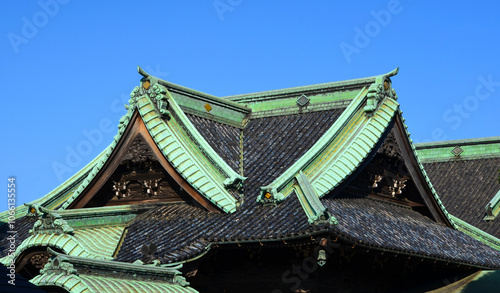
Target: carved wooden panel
{"x": 39, "y": 260}
{"x": 139, "y": 178}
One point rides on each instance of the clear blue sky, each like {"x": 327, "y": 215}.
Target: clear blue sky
{"x": 68, "y": 66}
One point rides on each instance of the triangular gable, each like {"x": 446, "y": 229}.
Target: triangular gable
{"x": 178, "y": 147}
{"x": 136, "y": 173}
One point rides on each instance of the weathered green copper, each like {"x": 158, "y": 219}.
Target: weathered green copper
{"x": 181, "y": 144}
{"x": 91, "y": 236}
{"x": 310, "y": 90}
{"x": 493, "y": 208}
{"x": 64, "y": 242}
{"x": 279, "y": 108}
{"x": 48, "y": 221}
{"x": 342, "y": 148}
{"x": 77, "y": 274}
{"x": 476, "y": 148}
{"x": 379, "y": 90}
{"x": 424, "y": 173}
{"x": 309, "y": 200}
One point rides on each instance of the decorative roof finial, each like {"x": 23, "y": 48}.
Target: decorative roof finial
{"x": 379, "y": 90}
{"x": 142, "y": 72}
{"x": 48, "y": 221}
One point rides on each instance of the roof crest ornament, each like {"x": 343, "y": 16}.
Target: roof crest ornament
{"x": 157, "y": 92}
{"x": 379, "y": 90}
{"x": 234, "y": 183}
{"x": 75, "y": 265}
{"x": 48, "y": 221}
{"x": 269, "y": 195}
{"x": 58, "y": 265}
{"x": 316, "y": 212}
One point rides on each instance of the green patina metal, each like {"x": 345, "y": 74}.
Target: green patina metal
{"x": 310, "y": 90}
{"x": 77, "y": 274}
{"x": 181, "y": 144}
{"x": 100, "y": 241}
{"x": 204, "y": 170}
{"x": 493, "y": 208}
{"x": 96, "y": 243}
{"x": 64, "y": 242}
{"x": 209, "y": 152}
{"x": 57, "y": 196}
{"x": 350, "y": 148}
{"x": 476, "y": 233}
{"x": 309, "y": 200}
{"x": 424, "y": 173}
{"x": 340, "y": 151}
{"x": 48, "y": 221}
{"x": 379, "y": 90}
{"x": 101, "y": 284}
{"x": 320, "y": 97}
{"x": 219, "y": 112}
{"x": 92, "y": 232}
{"x": 319, "y": 147}
{"x": 104, "y": 216}
{"x": 472, "y": 149}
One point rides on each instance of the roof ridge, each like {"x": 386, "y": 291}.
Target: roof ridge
{"x": 154, "y": 106}
{"x": 455, "y": 142}
{"x": 424, "y": 173}
{"x": 341, "y": 148}
{"x": 189, "y": 91}
{"x": 343, "y": 84}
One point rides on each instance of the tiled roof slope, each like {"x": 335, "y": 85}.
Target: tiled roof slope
{"x": 179, "y": 142}
{"x": 465, "y": 187}
{"x": 182, "y": 232}
{"x": 223, "y": 138}
{"x": 96, "y": 230}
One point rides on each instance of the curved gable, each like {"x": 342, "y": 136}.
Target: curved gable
{"x": 187, "y": 161}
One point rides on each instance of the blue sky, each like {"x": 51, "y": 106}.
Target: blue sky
{"x": 68, "y": 66}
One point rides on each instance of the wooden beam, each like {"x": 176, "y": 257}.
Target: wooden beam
{"x": 136, "y": 127}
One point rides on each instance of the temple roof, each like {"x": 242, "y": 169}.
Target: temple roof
{"x": 264, "y": 168}
{"x": 465, "y": 174}
{"x": 108, "y": 276}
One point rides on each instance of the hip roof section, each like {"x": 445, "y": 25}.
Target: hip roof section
{"x": 295, "y": 146}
